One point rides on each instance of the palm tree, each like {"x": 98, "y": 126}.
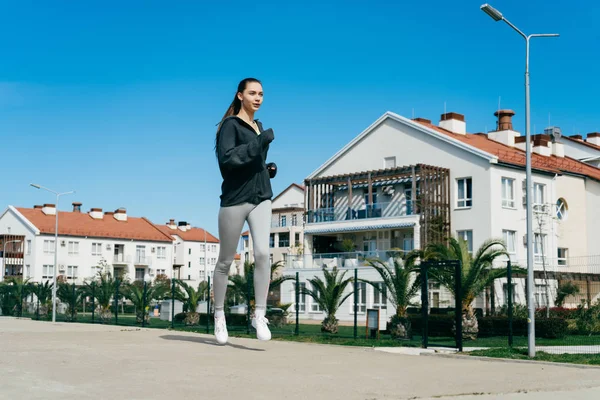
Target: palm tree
{"x": 565, "y": 289}
{"x": 242, "y": 286}
{"x": 134, "y": 292}
{"x": 71, "y": 295}
{"x": 476, "y": 274}
{"x": 403, "y": 281}
{"x": 43, "y": 292}
{"x": 191, "y": 298}
{"x": 14, "y": 292}
{"x": 329, "y": 295}
{"x": 102, "y": 289}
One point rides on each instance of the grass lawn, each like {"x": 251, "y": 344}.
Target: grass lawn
{"x": 521, "y": 354}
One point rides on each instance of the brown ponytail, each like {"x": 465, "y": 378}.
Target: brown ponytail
{"x": 235, "y": 106}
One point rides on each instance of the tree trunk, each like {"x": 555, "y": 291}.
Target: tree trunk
{"x": 330, "y": 324}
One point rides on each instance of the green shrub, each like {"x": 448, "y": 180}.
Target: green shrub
{"x": 549, "y": 328}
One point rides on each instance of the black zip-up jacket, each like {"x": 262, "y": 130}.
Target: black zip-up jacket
{"x": 242, "y": 154}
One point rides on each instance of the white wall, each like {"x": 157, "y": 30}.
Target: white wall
{"x": 579, "y": 151}
{"x": 593, "y": 216}
{"x": 573, "y": 190}
{"x": 291, "y": 197}
{"x": 192, "y": 269}
{"x": 10, "y": 224}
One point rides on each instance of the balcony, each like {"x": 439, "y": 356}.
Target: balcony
{"x": 341, "y": 260}
{"x": 142, "y": 260}
{"x": 121, "y": 259}
{"x": 398, "y": 208}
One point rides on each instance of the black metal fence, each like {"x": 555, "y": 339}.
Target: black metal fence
{"x": 567, "y": 314}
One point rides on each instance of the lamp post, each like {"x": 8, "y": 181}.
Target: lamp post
{"x": 497, "y": 16}
{"x": 55, "y": 246}
{"x": 4, "y": 257}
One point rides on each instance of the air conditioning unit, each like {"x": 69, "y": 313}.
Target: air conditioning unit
{"x": 61, "y": 268}
{"x": 388, "y": 190}
{"x": 153, "y": 249}
{"x": 108, "y": 246}
{"x": 63, "y": 243}
{"x": 525, "y": 240}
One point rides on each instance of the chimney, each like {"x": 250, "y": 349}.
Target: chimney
{"x": 504, "y": 132}
{"x": 576, "y": 137}
{"x": 423, "y": 120}
{"x": 121, "y": 214}
{"x": 96, "y": 213}
{"x": 49, "y": 209}
{"x": 182, "y": 225}
{"x": 541, "y": 145}
{"x": 77, "y": 207}
{"x": 36, "y": 207}
{"x": 593, "y": 138}
{"x": 171, "y": 224}
{"x": 188, "y": 226}
{"x": 554, "y": 134}
{"x": 454, "y": 123}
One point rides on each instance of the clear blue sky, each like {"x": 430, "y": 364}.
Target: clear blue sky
{"x": 119, "y": 100}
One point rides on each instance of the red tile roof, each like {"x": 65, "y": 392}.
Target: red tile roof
{"x": 82, "y": 224}
{"x": 515, "y": 156}
{"x": 237, "y": 257}
{"x": 193, "y": 235}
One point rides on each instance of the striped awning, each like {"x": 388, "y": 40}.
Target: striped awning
{"x": 355, "y": 228}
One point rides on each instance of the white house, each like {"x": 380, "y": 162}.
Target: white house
{"x": 287, "y": 233}
{"x": 586, "y": 150}
{"x": 195, "y": 252}
{"x": 404, "y": 182}
{"x": 87, "y": 242}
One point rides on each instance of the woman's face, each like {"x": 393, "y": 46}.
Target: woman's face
{"x": 252, "y": 96}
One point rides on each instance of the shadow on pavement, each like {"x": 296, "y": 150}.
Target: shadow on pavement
{"x": 210, "y": 342}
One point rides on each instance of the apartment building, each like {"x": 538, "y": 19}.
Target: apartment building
{"x": 88, "y": 242}
{"x": 402, "y": 183}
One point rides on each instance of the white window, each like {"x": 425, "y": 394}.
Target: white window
{"x": 541, "y": 297}
{"x": 538, "y": 194}
{"x": 510, "y": 238}
{"x": 202, "y": 247}
{"x": 562, "y": 256}
{"x": 73, "y": 248}
{"x": 380, "y": 296}
{"x": 202, "y": 260}
{"x": 294, "y": 220}
{"x": 362, "y": 299}
{"x": 301, "y": 297}
{"x": 47, "y": 271}
{"x": 389, "y": 162}
{"x": 202, "y": 276}
{"x": 28, "y": 247}
{"x": 467, "y": 236}
{"x": 213, "y": 248}
{"x": 49, "y": 246}
{"x": 213, "y": 261}
{"x": 96, "y": 249}
{"x": 508, "y": 192}
{"x": 539, "y": 247}
{"x": 408, "y": 242}
{"x": 140, "y": 254}
{"x": 72, "y": 272}
{"x": 139, "y": 273}
{"x": 28, "y": 271}
{"x": 465, "y": 193}
{"x": 161, "y": 272}
{"x": 161, "y": 252}
{"x": 283, "y": 220}
{"x": 314, "y": 305}
{"x": 562, "y": 210}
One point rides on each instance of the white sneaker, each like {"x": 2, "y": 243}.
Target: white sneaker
{"x": 262, "y": 330}
{"x": 221, "y": 330}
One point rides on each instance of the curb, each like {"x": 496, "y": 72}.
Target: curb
{"x": 510, "y": 360}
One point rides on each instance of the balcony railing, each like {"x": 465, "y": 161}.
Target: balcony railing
{"x": 399, "y": 208}
{"x": 287, "y": 224}
{"x": 342, "y": 260}
{"x": 121, "y": 259}
{"x": 143, "y": 260}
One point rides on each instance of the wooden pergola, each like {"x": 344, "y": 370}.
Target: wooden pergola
{"x": 430, "y": 190}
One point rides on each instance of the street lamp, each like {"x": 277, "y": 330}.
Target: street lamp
{"x": 4, "y": 257}
{"x": 497, "y": 16}
{"x": 55, "y": 246}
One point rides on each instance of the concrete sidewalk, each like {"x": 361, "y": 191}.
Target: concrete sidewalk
{"x": 41, "y": 360}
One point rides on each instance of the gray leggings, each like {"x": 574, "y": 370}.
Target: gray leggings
{"x": 231, "y": 222}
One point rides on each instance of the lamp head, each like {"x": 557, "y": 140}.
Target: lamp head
{"x": 492, "y": 12}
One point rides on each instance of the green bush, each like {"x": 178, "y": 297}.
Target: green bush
{"x": 549, "y": 328}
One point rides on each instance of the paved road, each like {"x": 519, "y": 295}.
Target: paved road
{"x": 41, "y": 360}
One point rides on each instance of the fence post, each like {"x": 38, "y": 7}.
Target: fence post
{"x": 297, "y": 330}
{"x": 510, "y": 302}
{"x": 37, "y": 311}
{"x": 458, "y": 306}
{"x": 21, "y": 299}
{"x": 208, "y": 307}
{"x": 73, "y": 304}
{"x": 93, "y": 300}
{"x": 172, "y": 302}
{"x": 144, "y": 304}
{"x": 424, "y": 306}
{"x": 355, "y": 302}
{"x": 117, "y": 301}
{"x": 248, "y": 283}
